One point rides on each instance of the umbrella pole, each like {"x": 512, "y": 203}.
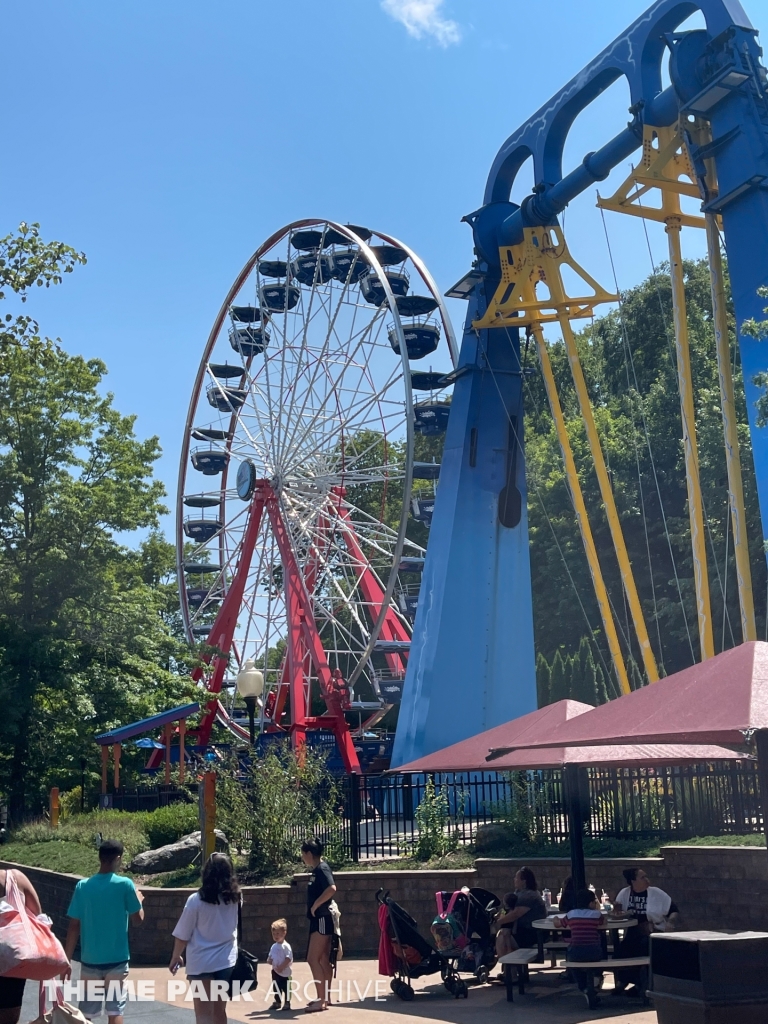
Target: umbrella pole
{"x": 574, "y": 808}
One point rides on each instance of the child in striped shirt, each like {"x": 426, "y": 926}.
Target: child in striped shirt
{"x": 585, "y": 922}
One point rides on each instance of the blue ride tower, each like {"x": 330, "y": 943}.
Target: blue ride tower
{"x": 471, "y": 664}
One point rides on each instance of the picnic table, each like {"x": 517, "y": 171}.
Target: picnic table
{"x": 612, "y": 924}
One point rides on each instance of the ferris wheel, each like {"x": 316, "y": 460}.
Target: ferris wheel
{"x": 296, "y": 476}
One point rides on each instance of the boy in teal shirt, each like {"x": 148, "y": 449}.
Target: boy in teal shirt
{"x": 99, "y": 912}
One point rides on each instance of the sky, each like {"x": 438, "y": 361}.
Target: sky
{"x": 167, "y": 140}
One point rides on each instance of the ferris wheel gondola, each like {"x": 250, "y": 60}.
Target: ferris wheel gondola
{"x": 296, "y": 476}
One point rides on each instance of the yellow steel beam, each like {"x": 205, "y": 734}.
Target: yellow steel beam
{"x": 732, "y": 458}
{"x": 580, "y": 508}
{"x": 606, "y": 492}
{"x": 685, "y": 382}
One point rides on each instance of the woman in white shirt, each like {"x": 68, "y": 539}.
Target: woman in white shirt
{"x": 206, "y": 937}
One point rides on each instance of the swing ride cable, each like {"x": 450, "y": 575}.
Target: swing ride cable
{"x": 673, "y": 359}
{"x": 628, "y": 354}
{"x": 609, "y": 675}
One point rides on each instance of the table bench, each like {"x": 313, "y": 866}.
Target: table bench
{"x": 520, "y": 958}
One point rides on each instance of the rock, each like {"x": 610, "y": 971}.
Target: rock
{"x": 493, "y": 837}
{"x": 175, "y": 855}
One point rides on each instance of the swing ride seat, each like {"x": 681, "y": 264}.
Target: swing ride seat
{"x": 420, "y": 339}
{"x": 209, "y": 434}
{"x": 225, "y": 371}
{"x": 201, "y": 500}
{"x": 248, "y": 341}
{"x": 422, "y": 509}
{"x": 373, "y": 290}
{"x": 307, "y": 239}
{"x": 280, "y": 297}
{"x": 226, "y": 399}
{"x": 411, "y": 565}
{"x": 427, "y": 380}
{"x": 312, "y": 268}
{"x": 245, "y": 314}
{"x": 209, "y": 461}
{"x": 197, "y": 596}
{"x": 426, "y": 470}
{"x": 389, "y": 255}
{"x": 408, "y": 604}
{"x": 348, "y": 265}
{"x": 201, "y": 568}
{"x": 273, "y": 268}
{"x": 201, "y": 530}
{"x": 431, "y": 418}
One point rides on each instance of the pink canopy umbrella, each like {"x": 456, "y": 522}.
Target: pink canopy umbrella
{"x": 722, "y": 700}
{"x": 470, "y": 754}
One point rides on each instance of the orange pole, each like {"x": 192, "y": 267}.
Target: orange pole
{"x": 54, "y": 807}
{"x": 117, "y": 751}
{"x": 168, "y": 754}
{"x": 182, "y": 730}
{"x": 104, "y": 767}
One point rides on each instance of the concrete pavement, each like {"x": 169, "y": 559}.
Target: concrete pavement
{"x": 359, "y": 1001}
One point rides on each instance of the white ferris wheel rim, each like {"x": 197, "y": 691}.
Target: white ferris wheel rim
{"x": 294, "y": 448}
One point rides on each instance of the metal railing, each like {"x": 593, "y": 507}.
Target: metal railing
{"x": 149, "y": 798}
{"x": 379, "y": 816}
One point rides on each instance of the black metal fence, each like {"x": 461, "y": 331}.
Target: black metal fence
{"x": 381, "y": 818}
{"x": 148, "y": 798}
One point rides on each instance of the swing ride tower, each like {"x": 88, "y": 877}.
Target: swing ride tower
{"x": 706, "y": 137}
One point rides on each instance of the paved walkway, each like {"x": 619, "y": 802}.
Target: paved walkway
{"x": 545, "y": 1002}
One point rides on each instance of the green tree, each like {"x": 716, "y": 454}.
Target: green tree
{"x": 83, "y": 639}
{"x": 558, "y": 687}
{"x": 543, "y": 679}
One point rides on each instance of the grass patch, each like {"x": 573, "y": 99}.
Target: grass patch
{"x": 753, "y": 840}
{"x": 70, "y": 858}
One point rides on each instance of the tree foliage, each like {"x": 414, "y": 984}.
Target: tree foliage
{"x": 85, "y": 641}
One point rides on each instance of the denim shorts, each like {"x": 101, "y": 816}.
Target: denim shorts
{"x": 115, "y": 1000}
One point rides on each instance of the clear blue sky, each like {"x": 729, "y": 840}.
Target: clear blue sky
{"x": 168, "y": 139}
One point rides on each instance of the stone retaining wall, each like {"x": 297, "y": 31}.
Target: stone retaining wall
{"x": 718, "y": 887}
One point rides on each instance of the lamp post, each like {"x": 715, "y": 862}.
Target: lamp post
{"x": 250, "y": 686}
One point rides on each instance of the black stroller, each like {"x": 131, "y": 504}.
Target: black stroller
{"x": 475, "y": 950}
{"x": 414, "y": 956}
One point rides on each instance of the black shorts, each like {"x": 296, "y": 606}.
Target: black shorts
{"x": 323, "y": 925}
{"x": 11, "y": 993}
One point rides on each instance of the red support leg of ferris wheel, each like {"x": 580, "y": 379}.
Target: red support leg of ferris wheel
{"x": 223, "y": 628}
{"x": 304, "y": 640}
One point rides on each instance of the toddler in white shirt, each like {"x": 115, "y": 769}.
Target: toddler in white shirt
{"x": 281, "y": 958}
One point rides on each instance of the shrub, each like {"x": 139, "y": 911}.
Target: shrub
{"x": 167, "y": 824}
{"x": 437, "y": 834}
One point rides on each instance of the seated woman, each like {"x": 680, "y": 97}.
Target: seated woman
{"x": 530, "y": 907}
{"x": 505, "y": 926}
{"x": 652, "y": 908}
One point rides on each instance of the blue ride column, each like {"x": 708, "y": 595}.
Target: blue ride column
{"x": 472, "y": 663}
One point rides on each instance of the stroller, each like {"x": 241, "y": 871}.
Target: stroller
{"x": 462, "y": 930}
{"x": 415, "y": 957}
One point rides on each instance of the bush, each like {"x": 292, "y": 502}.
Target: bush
{"x": 167, "y": 824}
{"x": 437, "y": 834}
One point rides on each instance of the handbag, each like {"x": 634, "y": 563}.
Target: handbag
{"x": 28, "y": 947}
{"x": 246, "y": 965}
{"x": 62, "y": 1013}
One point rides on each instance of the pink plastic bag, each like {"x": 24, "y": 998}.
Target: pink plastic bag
{"x": 28, "y": 947}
